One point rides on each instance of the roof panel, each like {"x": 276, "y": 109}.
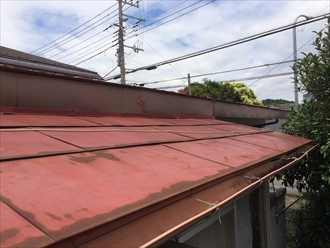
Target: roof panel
{"x": 269, "y": 140}
{"x": 190, "y": 121}
{"x": 30, "y": 143}
{"x": 126, "y": 121}
{"x": 225, "y": 151}
{"x": 64, "y": 195}
{"x": 8, "y": 120}
{"x": 239, "y": 129}
{"x": 197, "y": 132}
{"x": 289, "y": 137}
{"x": 114, "y": 137}
{"x": 15, "y": 231}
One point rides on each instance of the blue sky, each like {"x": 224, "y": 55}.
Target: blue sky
{"x": 29, "y": 25}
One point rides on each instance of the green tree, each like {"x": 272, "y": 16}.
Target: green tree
{"x": 234, "y": 92}
{"x": 275, "y": 102}
{"x": 312, "y": 121}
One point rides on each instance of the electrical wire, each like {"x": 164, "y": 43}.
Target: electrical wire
{"x": 241, "y": 79}
{"x": 75, "y": 35}
{"x": 67, "y": 40}
{"x": 221, "y": 72}
{"x": 180, "y": 2}
{"x": 75, "y": 45}
{"x": 72, "y": 38}
{"x": 178, "y": 16}
{"x": 229, "y": 44}
{"x": 85, "y": 47}
{"x": 88, "y": 53}
{"x": 111, "y": 71}
{"x": 96, "y": 54}
{"x": 73, "y": 29}
{"x": 162, "y": 57}
{"x": 258, "y": 80}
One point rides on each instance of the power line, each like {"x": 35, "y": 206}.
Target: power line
{"x": 96, "y": 54}
{"x": 162, "y": 57}
{"x": 90, "y": 52}
{"x": 258, "y": 80}
{"x": 177, "y": 16}
{"x": 75, "y": 45}
{"x": 105, "y": 37}
{"x": 150, "y": 24}
{"x": 240, "y": 79}
{"x": 74, "y": 29}
{"x": 69, "y": 39}
{"x": 221, "y": 72}
{"x": 229, "y": 44}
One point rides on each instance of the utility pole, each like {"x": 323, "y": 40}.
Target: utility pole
{"x": 189, "y": 86}
{"x": 121, "y": 33}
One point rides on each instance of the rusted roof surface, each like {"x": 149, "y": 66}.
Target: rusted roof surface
{"x": 71, "y": 179}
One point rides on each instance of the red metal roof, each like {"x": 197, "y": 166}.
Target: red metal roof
{"x": 66, "y": 180}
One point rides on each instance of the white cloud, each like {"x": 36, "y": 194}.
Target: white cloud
{"x": 28, "y": 25}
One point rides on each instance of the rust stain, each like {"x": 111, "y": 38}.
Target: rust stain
{"x": 130, "y": 212}
{"x": 53, "y": 216}
{"x": 8, "y": 234}
{"x": 140, "y": 102}
{"x": 68, "y": 216}
{"x": 87, "y": 158}
{"x": 41, "y": 241}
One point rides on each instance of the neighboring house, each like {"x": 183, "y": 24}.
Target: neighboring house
{"x": 86, "y": 163}
{"x": 32, "y": 64}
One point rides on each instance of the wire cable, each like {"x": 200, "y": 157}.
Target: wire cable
{"x": 229, "y": 44}
{"x": 96, "y": 54}
{"x": 241, "y": 79}
{"x": 73, "y": 29}
{"x": 258, "y": 80}
{"x": 221, "y": 72}
{"x": 69, "y": 39}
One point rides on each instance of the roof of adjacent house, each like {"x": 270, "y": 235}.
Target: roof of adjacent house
{"x": 21, "y": 59}
{"x": 127, "y": 181}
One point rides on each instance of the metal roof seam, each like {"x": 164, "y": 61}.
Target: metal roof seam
{"x": 282, "y": 153}
{"x": 83, "y": 129}
{"x": 199, "y": 156}
{"x": 84, "y": 151}
{"x": 59, "y": 140}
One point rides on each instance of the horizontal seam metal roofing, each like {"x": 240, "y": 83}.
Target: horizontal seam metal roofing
{"x": 128, "y": 181}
